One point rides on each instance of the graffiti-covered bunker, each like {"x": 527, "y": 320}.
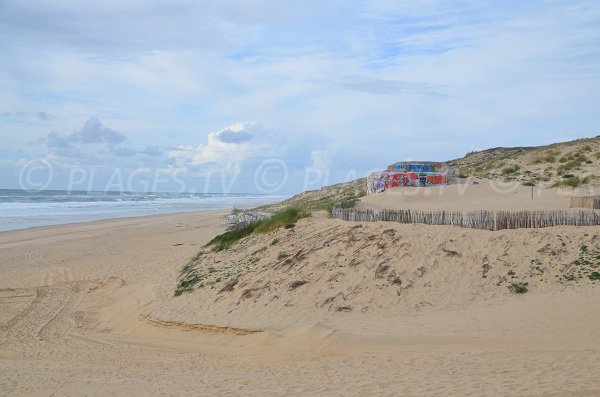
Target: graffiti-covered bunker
{"x": 409, "y": 173}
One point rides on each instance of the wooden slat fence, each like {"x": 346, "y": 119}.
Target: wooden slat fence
{"x": 591, "y": 202}
{"x": 488, "y": 220}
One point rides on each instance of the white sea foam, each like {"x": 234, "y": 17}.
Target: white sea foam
{"x": 20, "y": 209}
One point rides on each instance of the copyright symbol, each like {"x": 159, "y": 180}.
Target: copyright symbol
{"x": 35, "y": 175}
{"x": 503, "y": 187}
{"x": 270, "y": 176}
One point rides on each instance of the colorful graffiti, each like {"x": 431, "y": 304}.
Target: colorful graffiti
{"x": 409, "y": 174}
{"x": 418, "y": 166}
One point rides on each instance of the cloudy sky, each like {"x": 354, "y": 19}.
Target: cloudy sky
{"x": 237, "y": 95}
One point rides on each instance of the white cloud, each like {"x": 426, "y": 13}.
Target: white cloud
{"x": 236, "y": 133}
{"x": 224, "y": 151}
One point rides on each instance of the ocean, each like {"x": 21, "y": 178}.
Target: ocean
{"x": 20, "y": 209}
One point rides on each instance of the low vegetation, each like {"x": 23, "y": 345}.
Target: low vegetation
{"x": 571, "y": 181}
{"x": 510, "y": 170}
{"x": 286, "y": 218}
{"x": 192, "y": 277}
{"x": 549, "y": 157}
{"x": 518, "y": 288}
{"x": 187, "y": 284}
{"x": 323, "y": 199}
{"x": 561, "y": 165}
{"x": 587, "y": 265}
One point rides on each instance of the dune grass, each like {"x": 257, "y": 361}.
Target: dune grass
{"x": 285, "y": 218}
{"x": 518, "y": 288}
{"x": 570, "y": 180}
{"x": 187, "y": 284}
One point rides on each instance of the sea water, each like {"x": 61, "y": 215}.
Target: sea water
{"x": 20, "y": 209}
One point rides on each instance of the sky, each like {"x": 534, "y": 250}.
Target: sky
{"x": 276, "y": 97}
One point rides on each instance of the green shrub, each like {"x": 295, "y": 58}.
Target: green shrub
{"x": 569, "y": 165}
{"x": 518, "y": 288}
{"x": 510, "y": 169}
{"x": 548, "y": 158}
{"x": 347, "y": 202}
{"x": 594, "y": 276}
{"x": 572, "y": 181}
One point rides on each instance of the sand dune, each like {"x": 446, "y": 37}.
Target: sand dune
{"x": 330, "y": 308}
{"x": 324, "y": 266}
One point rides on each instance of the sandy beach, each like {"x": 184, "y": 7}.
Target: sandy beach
{"x": 88, "y": 309}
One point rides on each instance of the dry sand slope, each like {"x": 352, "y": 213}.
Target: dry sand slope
{"x": 324, "y": 266}
{"x": 330, "y": 308}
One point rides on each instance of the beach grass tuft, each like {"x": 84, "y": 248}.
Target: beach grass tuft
{"x": 187, "y": 284}
{"x": 518, "y": 288}
{"x": 289, "y": 216}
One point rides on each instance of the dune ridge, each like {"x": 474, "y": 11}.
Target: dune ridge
{"x": 329, "y": 267}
